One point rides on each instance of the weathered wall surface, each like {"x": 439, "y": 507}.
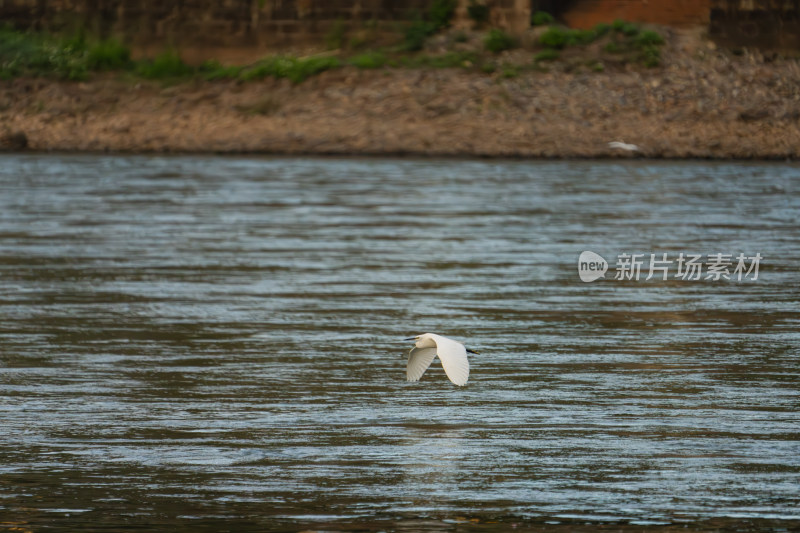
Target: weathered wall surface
{"x": 772, "y": 24}
{"x": 231, "y": 23}
{"x": 588, "y": 13}
{"x": 209, "y": 22}
{"x": 213, "y": 28}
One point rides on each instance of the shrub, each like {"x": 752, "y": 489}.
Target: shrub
{"x": 497, "y": 40}
{"x": 294, "y": 69}
{"x": 415, "y": 35}
{"x": 62, "y": 61}
{"x": 554, "y": 37}
{"x": 369, "y": 60}
{"x": 626, "y": 28}
{"x": 15, "y": 45}
{"x": 540, "y": 18}
{"x": 582, "y": 37}
{"x": 650, "y": 56}
{"x": 549, "y": 54}
{"x": 168, "y": 64}
{"x": 509, "y": 71}
{"x": 648, "y": 38}
{"x": 479, "y": 13}
{"x": 601, "y": 29}
{"x": 41, "y": 55}
{"x": 557, "y": 38}
{"x": 438, "y": 16}
{"x": 213, "y": 70}
{"x": 440, "y": 12}
{"x": 108, "y": 55}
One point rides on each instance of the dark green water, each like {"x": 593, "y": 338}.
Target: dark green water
{"x": 216, "y": 344}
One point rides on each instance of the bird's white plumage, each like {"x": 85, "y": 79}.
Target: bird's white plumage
{"x": 622, "y": 145}
{"x": 419, "y": 359}
{"x": 451, "y": 353}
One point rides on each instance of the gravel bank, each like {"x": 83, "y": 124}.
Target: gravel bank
{"x": 702, "y": 103}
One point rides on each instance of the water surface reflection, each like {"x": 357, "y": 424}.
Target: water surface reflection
{"x": 195, "y": 343}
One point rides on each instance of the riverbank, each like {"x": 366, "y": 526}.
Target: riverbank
{"x": 701, "y": 102}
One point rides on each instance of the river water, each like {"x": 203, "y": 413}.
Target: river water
{"x": 216, "y": 343}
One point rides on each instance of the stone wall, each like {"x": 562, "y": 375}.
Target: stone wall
{"x": 218, "y": 28}
{"x": 219, "y": 23}
{"x": 766, "y": 24}
{"x": 265, "y": 23}
{"x": 588, "y": 13}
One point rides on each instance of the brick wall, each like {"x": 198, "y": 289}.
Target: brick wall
{"x": 587, "y": 13}
{"x": 217, "y": 22}
{"x": 760, "y": 24}
{"x": 261, "y": 25}
{"x": 238, "y": 22}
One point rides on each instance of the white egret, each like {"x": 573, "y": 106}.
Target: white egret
{"x": 452, "y": 354}
{"x": 623, "y": 146}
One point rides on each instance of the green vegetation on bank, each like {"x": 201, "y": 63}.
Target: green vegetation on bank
{"x": 435, "y": 19}
{"x": 30, "y": 54}
{"x": 498, "y": 41}
{"x": 623, "y": 38}
{"x": 540, "y": 18}
{"x": 492, "y": 52}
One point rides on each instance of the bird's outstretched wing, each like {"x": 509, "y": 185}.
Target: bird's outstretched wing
{"x": 453, "y": 356}
{"x": 419, "y": 359}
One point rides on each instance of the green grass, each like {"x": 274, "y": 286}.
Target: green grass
{"x": 448, "y": 60}
{"x": 416, "y": 34}
{"x": 39, "y": 55}
{"x": 648, "y": 38}
{"x": 436, "y": 18}
{"x": 70, "y": 58}
{"x": 167, "y": 65}
{"x": 108, "y": 55}
{"x": 369, "y": 60}
{"x": 548, "y": 54}
{"x": 77, "y": 57}
{"x": 440, "y": 12}
{"x": 624, "y": 38}
{"x": 497, "y": 41}
{"x": 628, "y": 29}
{"x": 510, "y": 71}
{"x": 292, "y": 68}
{"x": 213, "y": 70}
{"x": 540, "y": 18}
{"x": 650, "y": 56}
{"x": 557, "y": 38}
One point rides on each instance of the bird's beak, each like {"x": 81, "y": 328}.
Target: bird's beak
{"x": 410, "y": 339}
{"x": 473, "y": 351}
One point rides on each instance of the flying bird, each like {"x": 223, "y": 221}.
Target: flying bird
{"x": 452, "y": 354}
{"x": 623, "y": 146}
